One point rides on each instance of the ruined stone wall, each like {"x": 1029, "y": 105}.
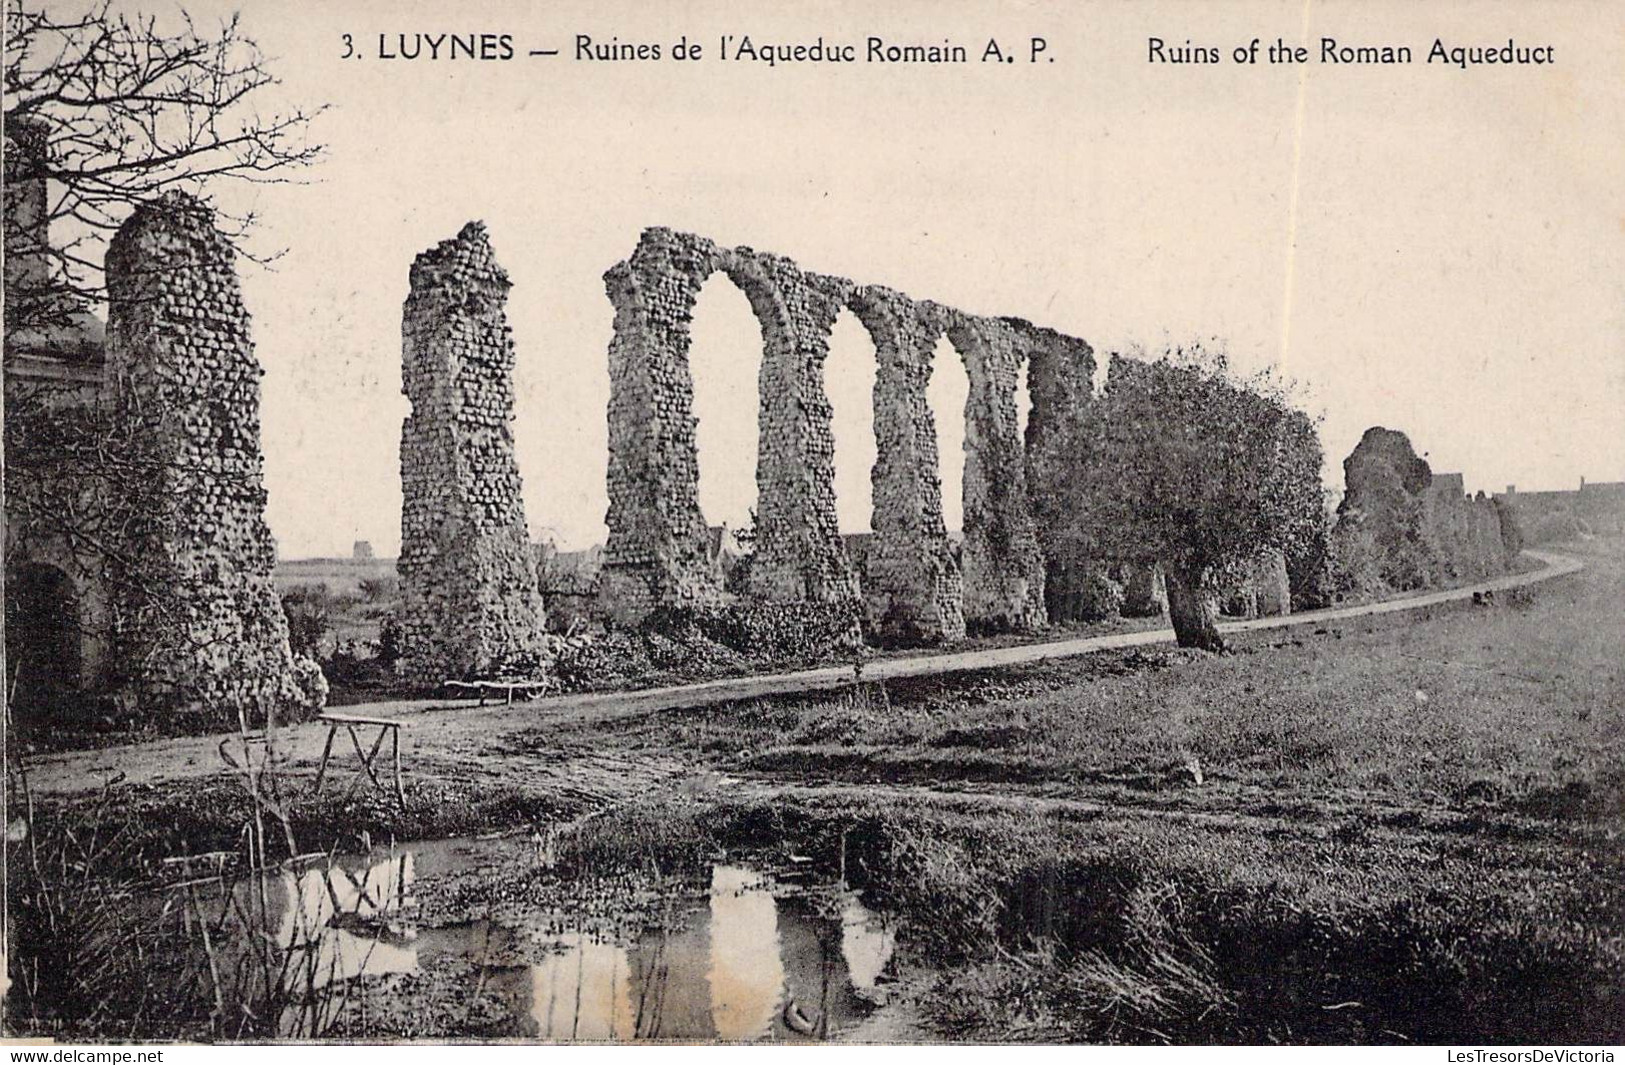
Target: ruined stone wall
{"x": 1400, "y": 526}
{"x": 40, "y": 491}
{"x": 656, "y": 551}
{"x": 914, "y": 588}
{"x": 1060, "y": 382}
{"x": 1024, "y": 558}
{"x": 1380, "y": 540}
{"x": 798, "y": 551}
{"x": 1465, "y": 532}
{"x": 199, "y": 626}
{"x": 470, "y": 603}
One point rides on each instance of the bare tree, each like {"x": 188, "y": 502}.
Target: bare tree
{"x": 111, "y": 110}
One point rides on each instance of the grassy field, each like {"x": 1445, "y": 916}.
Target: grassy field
{"x": 343, "y": 576}
{"x": 356, "y": 595}
{"x": 1404, "y": 833}
{"x": 1403, "y": 830}
{"x": 1518, "y": 705}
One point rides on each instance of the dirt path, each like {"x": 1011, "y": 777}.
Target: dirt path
{"x": 440, "y": 734}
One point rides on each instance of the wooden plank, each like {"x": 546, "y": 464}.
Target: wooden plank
{"x": 400, "y": 790}
{"x": 496, "y": 685}
{"x": 332, "y": 730}
{"x": 358, "y": 719}
{"x": 366, "y": 759}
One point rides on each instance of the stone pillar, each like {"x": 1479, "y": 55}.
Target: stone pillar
{"x": 1272, "y": 588}
{"x": 799, "y": 554}
{"x": 469, "y": 598}
{"x": 913, "y": 592}
{"x": 657, "y": 551}
{"x": 1003, "y": 568}
{"x": 1060, "y": 380}
{"x": 199, "y": 625}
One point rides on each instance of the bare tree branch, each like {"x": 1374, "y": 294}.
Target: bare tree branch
{"x": 110, "y": 110}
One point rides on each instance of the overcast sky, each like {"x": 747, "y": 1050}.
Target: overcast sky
{"x": 1435, "y": 250}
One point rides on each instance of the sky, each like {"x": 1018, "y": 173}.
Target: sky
{"x": 1436, "y": 250}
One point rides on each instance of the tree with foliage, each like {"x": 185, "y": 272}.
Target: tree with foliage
{"x": 112, "y": 110}
{"x": 1195, "y": 469}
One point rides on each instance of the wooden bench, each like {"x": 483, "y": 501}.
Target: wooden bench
{"x": 386, "y": 726}
{"x": 531, "y": 689}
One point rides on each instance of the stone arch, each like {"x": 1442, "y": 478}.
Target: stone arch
{"x": 45, "y": 653}
{"x": 798, "y": 551}
{"x": 915, "y": 589}
{"x": 659, "y": 547}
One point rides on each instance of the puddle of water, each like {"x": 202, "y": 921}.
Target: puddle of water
{"x": 746, "y": 958}
{"x": 348, "y": 922}
{"x": 750, "y": 964}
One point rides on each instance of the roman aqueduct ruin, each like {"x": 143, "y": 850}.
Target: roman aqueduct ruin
{"x": 462, "y": 489}
{"x": 657, "y": 548}
{"x": 206, "y": 628}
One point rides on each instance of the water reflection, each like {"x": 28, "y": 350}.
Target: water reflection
{"x": 344, "y": 923}
{"x": 746, "y": 972}
{"x": 867, "y": 942}
{"x": 584, "y": 992}
{"x": 747, "y": 966}
{"x": 276, "y": 947}
{"x": 749, "y": 960}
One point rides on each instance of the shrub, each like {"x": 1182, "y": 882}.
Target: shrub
{"x": 312, "y": 684}
{"x": 389, "y": 642}
{"x": 1553, "y": 528}
{"x": 691, "y": 641}
{"x": 380, "y": 589}
{"x": 779, "y": 631}
{"x": 309, "y": 610}
{"x": 1099, "y": 597}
